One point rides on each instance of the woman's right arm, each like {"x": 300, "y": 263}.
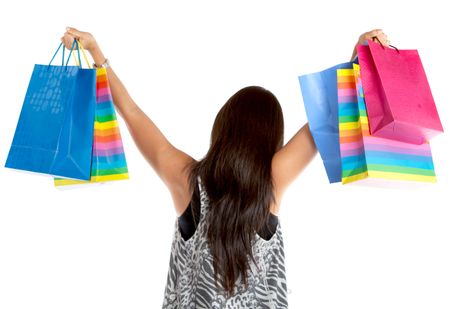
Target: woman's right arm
{"x": 289, "y": 161}
{"x": 167, "y": 161}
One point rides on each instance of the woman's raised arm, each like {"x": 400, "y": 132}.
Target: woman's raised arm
{"x": 168, "y": 162}
{"x": 290, "y": 160}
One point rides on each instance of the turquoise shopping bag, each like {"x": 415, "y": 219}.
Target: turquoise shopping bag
{"x": 54, "y": 133}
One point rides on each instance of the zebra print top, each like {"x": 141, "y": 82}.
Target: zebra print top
{"x": 190, "y": 279}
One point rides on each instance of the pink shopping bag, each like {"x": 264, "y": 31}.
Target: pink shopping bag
{"x": 399, "y": 102}
{"x": 370, "y": 158}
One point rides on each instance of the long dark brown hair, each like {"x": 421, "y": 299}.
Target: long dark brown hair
{"x": 236, "y": 174}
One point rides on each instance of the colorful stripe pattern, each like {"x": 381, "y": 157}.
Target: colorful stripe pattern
{"x": 108, "y": 156}
{"x": 366, "y": 156}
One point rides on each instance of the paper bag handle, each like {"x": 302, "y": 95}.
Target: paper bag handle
{"x": 375, "y": 37}
{"x": 78, "y": 63}
{"x": 78, "y": 45}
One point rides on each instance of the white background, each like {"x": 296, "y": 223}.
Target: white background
{"x": 108, "y": 246}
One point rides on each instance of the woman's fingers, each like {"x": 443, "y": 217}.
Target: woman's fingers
{"x": 371, "y": 34}
{"x": 64, "y": 41}
{"x": 376, "y": 35}
{"x": 67, "y": 40}
{"x": 382, "y": 39}
{"x": 86, "y": 39}
{"x": 74, "y": 32}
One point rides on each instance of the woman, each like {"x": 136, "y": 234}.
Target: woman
{"x": 227, "y": 250}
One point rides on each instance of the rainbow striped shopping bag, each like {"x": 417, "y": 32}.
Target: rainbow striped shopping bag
{"x": 108, "y": 156}
{"x": 366, "y": 156}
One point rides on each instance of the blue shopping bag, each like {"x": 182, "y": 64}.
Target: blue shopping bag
{"x": 54, "y": 134}
{"x": 320, "y": 97}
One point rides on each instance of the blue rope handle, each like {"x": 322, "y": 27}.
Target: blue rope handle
{"x": 75, "y": 42}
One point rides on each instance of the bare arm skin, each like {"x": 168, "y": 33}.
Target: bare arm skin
{"x": 289, "y": 161}
{"x": 168, "y": 162}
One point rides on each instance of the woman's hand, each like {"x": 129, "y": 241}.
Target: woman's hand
{"x": 88, "y": 42}
{"x": 86, "y": 39}
{"x": 169, "y": 163}
{"x": 371, "y": 35}
{"x": 377, "y": 34}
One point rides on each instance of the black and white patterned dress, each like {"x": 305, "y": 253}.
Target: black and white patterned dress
{"x": 190, "y": 280}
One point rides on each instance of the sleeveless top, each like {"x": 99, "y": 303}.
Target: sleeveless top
{"x": 188, "y": 221}
{"x": 190, "y": 279}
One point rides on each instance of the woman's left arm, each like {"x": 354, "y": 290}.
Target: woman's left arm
{"x": 289, "y": 161}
